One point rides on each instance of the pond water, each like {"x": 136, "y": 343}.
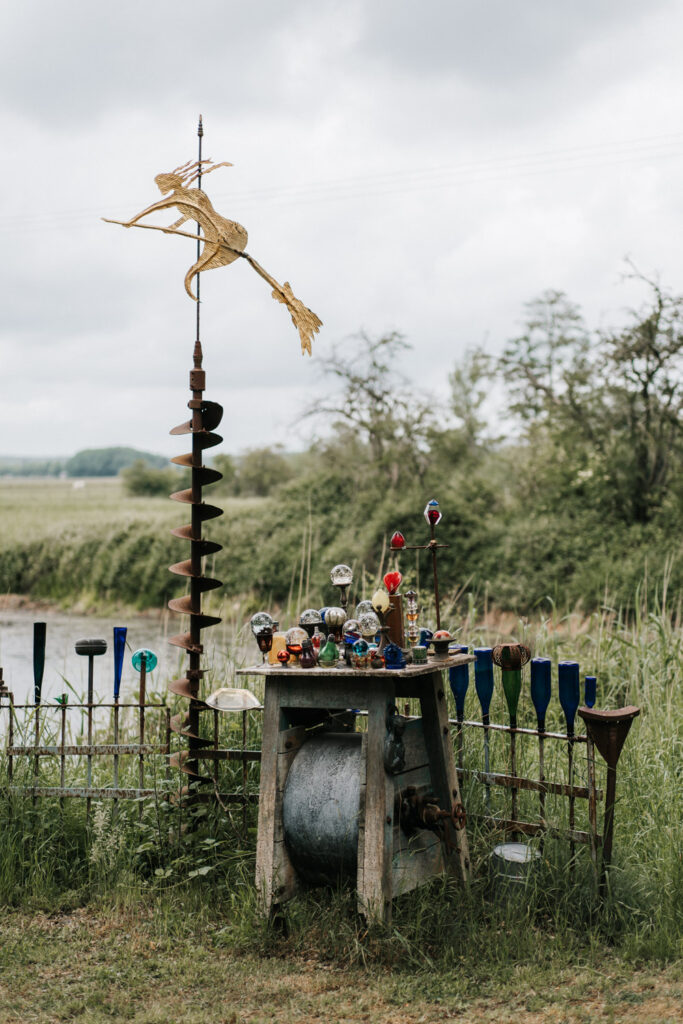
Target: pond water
{"x": 62, "y": 663}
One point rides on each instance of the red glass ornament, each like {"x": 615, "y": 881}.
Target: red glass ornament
{"x": 392, "y": 581}
{"x": 398, "y": 540}
{"x": 434, "y": 516}
{"x": 283, "y": 656}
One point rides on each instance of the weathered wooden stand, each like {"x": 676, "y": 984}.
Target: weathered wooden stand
{"x": 394, "y": 854}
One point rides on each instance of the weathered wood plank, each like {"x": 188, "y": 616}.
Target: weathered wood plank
{"x": 416, "y": 861}
{"x": 444, "y": 776}
{"x": 374, "y": 899}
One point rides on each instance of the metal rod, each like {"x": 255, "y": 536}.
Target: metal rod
{"x": 535, "y": 785}
{"x": 215, "y": 745}
{"x": 10, "y": 759}
{"x": 608, "y": 829}
{"x": 592, "y": 803}
{"x": 200, "y": 135}
{"x": 495, "y": 727}
{"x": 244, "y": 772}
{"x": 141, "y": 756}
{"x": 487, "y": 764}
{"x": 62, "y": 755}
{"x": 91, "y": 687}
{"x": 541, "y": 681}
{"x": 432, "y": 544}
{"x": 116, "y": 740}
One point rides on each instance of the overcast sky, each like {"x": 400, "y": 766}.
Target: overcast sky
{"x": 423, "y": 167}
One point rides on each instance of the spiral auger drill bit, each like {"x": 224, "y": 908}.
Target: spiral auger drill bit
{"x": 205, "y": 418}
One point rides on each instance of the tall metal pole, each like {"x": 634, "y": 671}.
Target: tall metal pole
{"x": 200, "y": 136}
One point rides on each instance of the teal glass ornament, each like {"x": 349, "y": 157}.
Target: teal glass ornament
{"x": 150, "y": 659}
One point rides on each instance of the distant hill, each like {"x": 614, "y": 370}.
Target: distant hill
{"x": 13, "y": 465}
{"x": 109, "y": 461}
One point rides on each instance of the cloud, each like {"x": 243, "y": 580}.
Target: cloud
{"x": 424, "y": 169}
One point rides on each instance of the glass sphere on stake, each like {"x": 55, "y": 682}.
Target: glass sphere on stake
{"x": 362, "y": 607}
{"x": 264, "y": 639}
{"x": 341, "y": 576}
{"x": 334, "y": 620}
{"x": 261, "y": 620}
{"x": 310, "y": 619}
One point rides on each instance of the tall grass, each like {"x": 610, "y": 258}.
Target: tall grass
{"x": 194, "y": 865}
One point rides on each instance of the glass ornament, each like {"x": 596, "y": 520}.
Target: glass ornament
{"x": 362, "y": 607}
{"x": 310, "y": 617}
{"x": 329, "y": 655}
{"x": 260, "y": 620}
{"x": 369, "y": 623}
{"x": 442, "y": 634}
{"x": 432, "y": 513}
{"x": 419, "y": 655}
{"x": 308, "y": 656}
{"x": 392, "y": 581}
{"x": 317, "y": 639}
{"x": 264, "y": 639}
{"x": 150, "y": 659}
{"x": 323, "y": 613}
{"x": 361, "y": 647}
{"x": 381, "y": 602}
{"x": 394, "y": 657}
{"x": 296, "y": 635}
{"x": 283, "y": 656}
{"x": 335, "y": 617}
{"x": 398, "y": 541}
{"x": 425, "y": 636}
{"x": 341, "y": 576}
{"x": 279, "y": 644}
{"x": 351, "y": 628}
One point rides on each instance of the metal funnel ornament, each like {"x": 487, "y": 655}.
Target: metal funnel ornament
{"x": 608, "y": 730}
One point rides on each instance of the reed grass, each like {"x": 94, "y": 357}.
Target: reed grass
{"x": 191, "y": 868}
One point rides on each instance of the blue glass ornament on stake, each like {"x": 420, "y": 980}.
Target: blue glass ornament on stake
{"x": 459, "y": 678}
{"x": 483, "y": 684}
{"x": 569, "y": 691}
{"x": 590, "y": 691}
{"x": 541, "y": 674}
{"x": 120, "y": 633}
{"x": 483, "y": 679}
{"x": 540, "y": 688}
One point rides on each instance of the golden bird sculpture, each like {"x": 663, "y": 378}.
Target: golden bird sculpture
{"x": 223, "y": 241}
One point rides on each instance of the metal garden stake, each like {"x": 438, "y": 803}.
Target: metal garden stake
{"x": 483, "y": 684}
{"x": 568, "y": 688}
{"x": 540, "y": 696}
{"x": 39, "y": 631}
{"x": 608, "y": 730}
{"x": 119, "y": 651}
{"x": 459, "y": 678}
{"x": 90, "y": 649}
{"x": 511, "y": 658}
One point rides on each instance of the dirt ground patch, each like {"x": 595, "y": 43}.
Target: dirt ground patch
{"x": 91, "y": 968}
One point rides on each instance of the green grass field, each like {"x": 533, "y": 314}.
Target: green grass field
{"x": 155, "y": 917}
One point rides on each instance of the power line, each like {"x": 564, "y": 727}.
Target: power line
{"x": 376, "y": 184}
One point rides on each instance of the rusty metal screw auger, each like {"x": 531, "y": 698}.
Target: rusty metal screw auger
{"x": 205, "y": 418}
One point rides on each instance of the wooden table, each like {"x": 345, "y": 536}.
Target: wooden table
{"x": 389, "y": 861}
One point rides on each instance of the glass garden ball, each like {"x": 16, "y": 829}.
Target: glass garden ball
{"x": 341, "y": 576}
{"x": 259, "y": 621}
